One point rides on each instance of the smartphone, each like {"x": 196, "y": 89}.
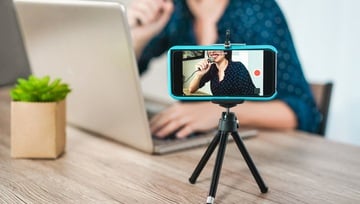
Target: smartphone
{"x": 241, "y": 72}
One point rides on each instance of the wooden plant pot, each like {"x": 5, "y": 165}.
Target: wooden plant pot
{"x": 38, "y": 130}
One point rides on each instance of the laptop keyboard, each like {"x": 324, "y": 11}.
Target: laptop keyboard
{"x": 172, "y": 138}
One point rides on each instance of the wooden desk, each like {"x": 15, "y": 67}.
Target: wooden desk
{"x": 298, "y": 168}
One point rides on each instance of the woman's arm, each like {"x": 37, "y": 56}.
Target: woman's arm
{"x": 206, "y": 15}
{"x": 271, "y": 114}
{"x": 186, "y": 118}
{"x": 194, "y": 84}
{"x": 201, "y": 68}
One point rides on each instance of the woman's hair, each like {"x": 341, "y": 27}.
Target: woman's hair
{"x": 228, "y": 54}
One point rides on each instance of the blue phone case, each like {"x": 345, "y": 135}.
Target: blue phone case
{"x": 218, "y": 47}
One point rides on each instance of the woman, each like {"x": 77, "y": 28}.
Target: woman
{"x": 159, "y": 24}
{"x": 227, "y": 78}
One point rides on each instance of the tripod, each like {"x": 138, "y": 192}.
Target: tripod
{"x": 227, "y": 124}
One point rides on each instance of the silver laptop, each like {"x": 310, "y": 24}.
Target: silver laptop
{"x": 87, "y": 44}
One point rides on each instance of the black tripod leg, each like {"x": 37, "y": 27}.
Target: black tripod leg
{"x": 217, "y": 168}
{"x": 250, "y": 163}
{"x": 205, "y": 158}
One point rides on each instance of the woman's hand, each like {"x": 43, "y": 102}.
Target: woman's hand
{"x": 207, "y": 10}
{"x": 186, "y": 118}
{"x": 203, "y": 67}
{"x": 146, "y": 19}
{"x": 150, "y": 14}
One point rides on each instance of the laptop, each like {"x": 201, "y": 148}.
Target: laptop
{"x": 87, "y": 44}
{"x": 13, "y": 60}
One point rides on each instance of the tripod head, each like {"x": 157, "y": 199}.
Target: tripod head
{"x": 228, "y": 121}
{"x": 228, "y": 103}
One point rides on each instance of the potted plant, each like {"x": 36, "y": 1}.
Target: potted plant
{"x": 38, "y": 118}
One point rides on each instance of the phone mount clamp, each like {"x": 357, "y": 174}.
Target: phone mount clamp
{"x": 228, "y": 124}
{"x": 227, "y": 43}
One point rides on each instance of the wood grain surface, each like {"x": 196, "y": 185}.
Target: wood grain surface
{"x": 297, "y": 168}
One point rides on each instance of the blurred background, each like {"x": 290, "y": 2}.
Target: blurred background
{"x": 326, "y": 34}
{"x": 326, "y": 37}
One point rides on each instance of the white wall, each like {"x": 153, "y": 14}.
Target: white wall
{"x": 326, "y": 35}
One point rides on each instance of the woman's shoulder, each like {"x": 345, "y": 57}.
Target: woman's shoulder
{"x": 236, "y": 67}
{"x": 236, "y": 64}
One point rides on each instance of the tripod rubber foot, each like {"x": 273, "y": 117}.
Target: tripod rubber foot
{"x": 265, "y": 190}
{"x": 210, "y": 200}
{"x": 192, "y": 181}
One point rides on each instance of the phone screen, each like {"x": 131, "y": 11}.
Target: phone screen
{"x": 223, "y": 73}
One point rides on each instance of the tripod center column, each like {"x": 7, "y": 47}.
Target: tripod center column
{"x": 228, "y": 122}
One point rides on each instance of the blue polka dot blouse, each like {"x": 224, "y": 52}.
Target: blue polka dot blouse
{"x": 253, "y": 22}
{"x": 236, "y": 82}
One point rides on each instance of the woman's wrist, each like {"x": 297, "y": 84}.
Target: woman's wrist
{"x": 139, "y": 41}
{"x": 205, "y": 31}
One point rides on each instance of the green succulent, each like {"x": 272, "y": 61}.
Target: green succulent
{"x": 39, "y": 90}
